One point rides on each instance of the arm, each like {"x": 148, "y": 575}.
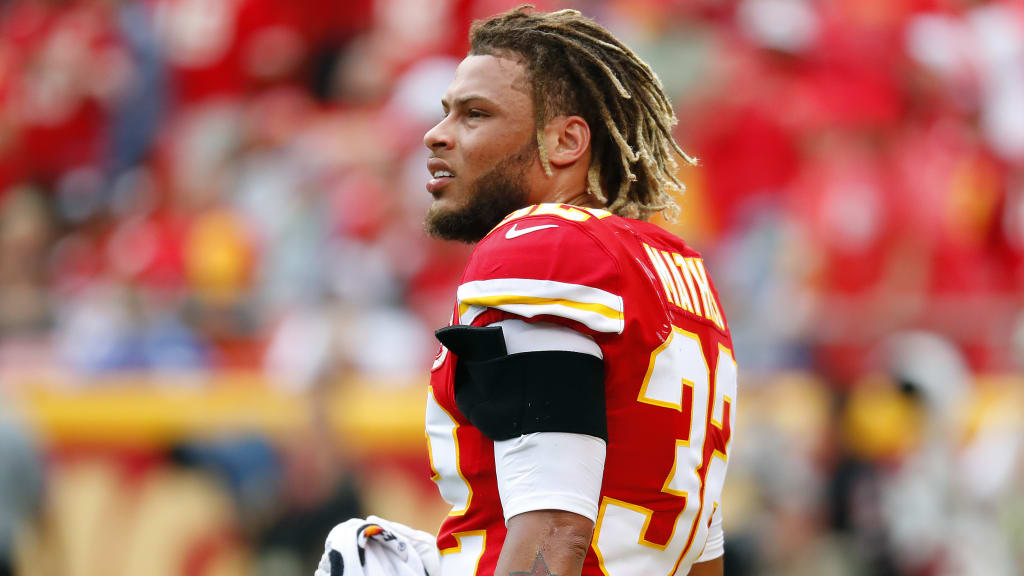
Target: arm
{"x": 549, "y": 482}
{"x": 710, "y": 568}
{"x": 545, "y": 542}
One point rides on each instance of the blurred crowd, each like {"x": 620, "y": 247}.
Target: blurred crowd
{"x": 188, "y": 184}
{"x": 195, "y": 185}
{"x": 214, "y": 185}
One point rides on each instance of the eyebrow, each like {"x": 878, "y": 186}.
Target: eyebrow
{"x": 463, "y": 100}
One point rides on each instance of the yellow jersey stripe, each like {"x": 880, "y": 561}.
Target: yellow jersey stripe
{"x": 511, "y": 299}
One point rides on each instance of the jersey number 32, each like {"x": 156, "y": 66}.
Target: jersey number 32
{"x": 678, "y": 378}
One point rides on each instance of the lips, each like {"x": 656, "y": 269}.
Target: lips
{"x": 441, "y": 174}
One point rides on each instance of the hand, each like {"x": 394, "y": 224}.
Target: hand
{"x": 377, "y": 547}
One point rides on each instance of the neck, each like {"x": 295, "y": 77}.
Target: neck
{"x": 575, "y": 196}
{"x": 584, "y": 199}
{"x": 565, "y": 186}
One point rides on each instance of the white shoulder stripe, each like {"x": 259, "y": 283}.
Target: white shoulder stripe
{"x": 597, "y": 309}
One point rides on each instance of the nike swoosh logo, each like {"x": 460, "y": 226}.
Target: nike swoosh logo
{"x": 514, "y": 233}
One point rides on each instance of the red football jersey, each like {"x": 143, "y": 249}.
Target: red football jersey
{"x": 670, "y": 385}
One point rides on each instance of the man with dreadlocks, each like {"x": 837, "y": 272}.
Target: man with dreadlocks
{"x": 581, "y": 407}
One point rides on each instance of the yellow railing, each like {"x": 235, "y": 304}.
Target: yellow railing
{"x": 148, "y": 412}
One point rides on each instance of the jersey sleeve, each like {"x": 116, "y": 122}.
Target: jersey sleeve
{"x": 543, "y": 268}
{"x": 715, "y": 545}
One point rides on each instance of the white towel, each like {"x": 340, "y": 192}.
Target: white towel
{"x": 378, "y": 547}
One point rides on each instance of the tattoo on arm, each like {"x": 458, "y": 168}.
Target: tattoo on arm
{"x": 540, "y": 568}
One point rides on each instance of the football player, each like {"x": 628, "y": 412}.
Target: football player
{"x": 581, "y": 407}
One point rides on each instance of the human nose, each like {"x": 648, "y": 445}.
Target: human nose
{"x": 439, "y": 137}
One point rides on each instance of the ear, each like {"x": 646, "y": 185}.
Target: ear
{"x": 567, "y": 139}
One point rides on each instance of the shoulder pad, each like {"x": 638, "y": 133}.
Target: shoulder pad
{"x": 545, "y": 264}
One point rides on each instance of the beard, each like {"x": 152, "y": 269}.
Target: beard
{"x": 492, "y": 197}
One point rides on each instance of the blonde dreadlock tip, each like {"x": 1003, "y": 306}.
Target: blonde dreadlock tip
{"x": 544, "y": 162}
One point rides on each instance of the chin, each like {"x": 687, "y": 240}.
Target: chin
{"x": 440, "y": 208}
{"x": 442, "y": 204}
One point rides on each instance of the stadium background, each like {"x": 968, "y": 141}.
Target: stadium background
{"x": 216, "y": 302}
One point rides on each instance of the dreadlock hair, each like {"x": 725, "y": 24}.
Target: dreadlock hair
{"x": 577, "y": 67}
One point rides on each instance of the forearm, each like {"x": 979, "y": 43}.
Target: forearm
{"x": 545, "y": 542}
{"x": 710, "y": 568}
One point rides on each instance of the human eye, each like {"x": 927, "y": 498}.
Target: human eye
{"x": 477, "y": 113}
